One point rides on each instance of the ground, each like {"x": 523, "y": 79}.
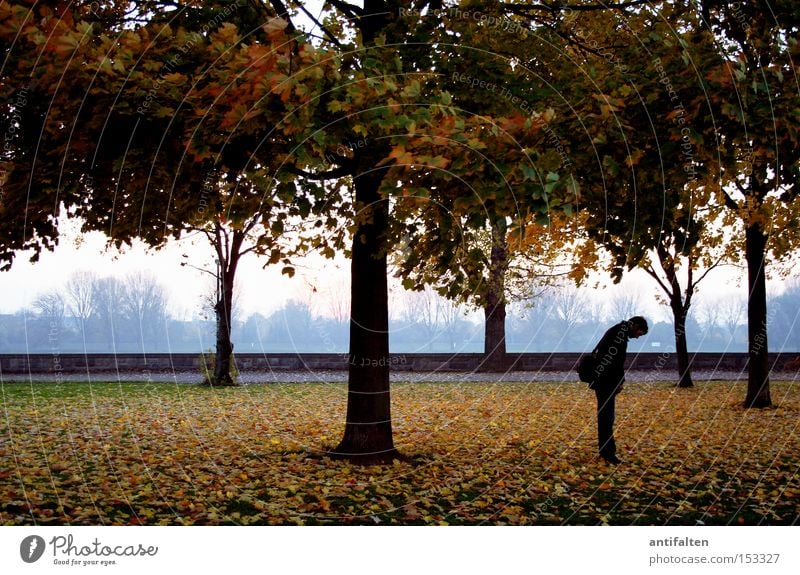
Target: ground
{"x": 480, "y": 453}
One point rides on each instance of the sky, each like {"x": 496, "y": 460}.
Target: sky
{"x": 261, "y": 290}
{"x": 318, "y": 282}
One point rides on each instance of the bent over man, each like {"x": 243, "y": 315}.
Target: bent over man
{"x": 609, "y": 378}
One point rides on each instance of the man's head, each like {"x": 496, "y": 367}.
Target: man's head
{"x": 638, "y": 326}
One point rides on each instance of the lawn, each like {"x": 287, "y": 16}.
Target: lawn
{"x": 481, "y": 453}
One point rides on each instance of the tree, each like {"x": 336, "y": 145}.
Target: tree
{"x": 785, "y": 321}
{"x": 182, "y": 125}
{"x": 752, "y": 95}
{"x": 625, "y": 305}
{"x": 422, "y": 311}
{"x": 338, "y": 305}
{"x": 79, "y": 295}
{"x": 388, "y": 118}
{"x": 462, "y": 227}
{"x": 143, "y": 302}
{"x": 452, "y": 319}
{"x": 570, "y": 306}
{"x": 709, "y": 317}
{"x": 107, "y": 293}
{"x": 650, "y": 201}
{"x": 50, "y": 310}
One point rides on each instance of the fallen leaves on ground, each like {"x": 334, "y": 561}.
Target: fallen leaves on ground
{"x": 481, "y": 453}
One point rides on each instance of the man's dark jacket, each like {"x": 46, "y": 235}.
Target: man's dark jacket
{"x": 610, "y": 354}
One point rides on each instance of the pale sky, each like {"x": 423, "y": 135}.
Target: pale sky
{"x": 261, "y": 291}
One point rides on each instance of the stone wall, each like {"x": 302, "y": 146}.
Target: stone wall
{"x": 128, "y": 362}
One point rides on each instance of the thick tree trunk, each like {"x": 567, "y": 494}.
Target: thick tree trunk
{"x": 679, "y": 313}
{"x": 368, "y": 428}
{"x": 495, "y": 358}
{"x": 494, "y": 309}
{"x": 758, "y": 365}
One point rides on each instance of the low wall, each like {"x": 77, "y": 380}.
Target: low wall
{"x": 131, "y": 362}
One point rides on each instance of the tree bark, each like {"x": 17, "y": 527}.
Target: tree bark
{"x": 679, "y": 303}
{"x": 224, "y": 347}
{"x": 758, "y": 394}
{"x": 495, "y": 358}
{"x": 494, "y": 309}
{"x": 228, "y": 255}
{"x": 368, "y": 428}
{"x": 679, "y": 313}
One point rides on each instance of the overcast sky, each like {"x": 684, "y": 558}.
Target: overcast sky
{"x": 318, "y": 281}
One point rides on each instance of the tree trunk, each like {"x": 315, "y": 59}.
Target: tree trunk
{"x": 224, "y": 350}
{"x": 495, "y": 358}
{"x": 681, "y": 348}
{"x": 494, "y": 309}
{"x": 228, "y": 255}
{"x": 368, "y": 428}
{"x": 758, "y": 365}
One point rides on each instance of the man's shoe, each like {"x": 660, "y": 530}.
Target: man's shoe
{"x": 612, "y": 459}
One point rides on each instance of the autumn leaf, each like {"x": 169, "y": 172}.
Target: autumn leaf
{"x": 510, "y": 453}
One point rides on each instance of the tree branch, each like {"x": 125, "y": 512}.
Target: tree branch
{"x": 333, "y": 39}
{"x": 557, "y": 7}
{"x": 652, "y": 272}
{"x": 334, "y": 174}
{"x": 730, "y": 203}
{"x": 283, "y": 13}
{"x": 348, "y": 10}
{"x": 711, "y": 267}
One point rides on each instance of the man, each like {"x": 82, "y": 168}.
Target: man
{"x": 609, "y": 378}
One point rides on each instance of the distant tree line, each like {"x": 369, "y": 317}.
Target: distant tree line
{"x": 95, "y": 314}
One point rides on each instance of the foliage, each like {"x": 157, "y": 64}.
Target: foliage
{"x": 177, "y": 125}
{"x": 118, "y": 454}
{"x": 500, "y": 170}
{"x": 165, "y": 125}
{"x": 752, "y": 95}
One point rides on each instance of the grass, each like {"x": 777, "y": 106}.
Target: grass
{"x": 482, "y": 453}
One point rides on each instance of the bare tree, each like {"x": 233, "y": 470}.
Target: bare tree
{"x": 421, "y": 310}
{"x": 732, "y": 311}
{"x": 708, "y": 314}
{"x": 625, "y": 305}
{"x": 50, "y": 310}
{"x": 338, "y": 299}
{"x": 79, "y": 292}
{"x": 570, "y": 305}
{"x": 50, "y": 305}
{"x": 144, "y": 303}
{"x": 450, "y": 313}
{"x": 596, "y": 312}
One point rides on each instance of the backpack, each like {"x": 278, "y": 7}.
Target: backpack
{"x": 587, "y": 367}
{"x": 587, "y": 364}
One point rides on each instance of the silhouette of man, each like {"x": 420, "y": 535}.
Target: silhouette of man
{"x": 609, "y": 378}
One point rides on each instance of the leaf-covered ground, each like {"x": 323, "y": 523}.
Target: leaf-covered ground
{"x": 481, "y": 453}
